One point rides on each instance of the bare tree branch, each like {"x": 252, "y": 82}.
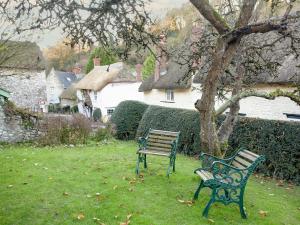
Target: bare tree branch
{"x": 211, "y": 15}
{"x": 271, "y": 96}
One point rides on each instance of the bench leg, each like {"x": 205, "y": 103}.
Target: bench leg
{"x": 145, "y": 161}
{"x": 196, "y": 195}
{"x": 137, "y": 168}
{"x": 241, "y": 204}
{"x": 174, "y": 164}
{"x": 211, "y": 201}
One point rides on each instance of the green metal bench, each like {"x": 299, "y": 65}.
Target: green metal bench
{"x": 158, "y": 142}
{"x": 227, "y": 178}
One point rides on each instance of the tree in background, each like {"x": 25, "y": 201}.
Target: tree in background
{"x": 148, "y": 66}
{"x": 106, "y": 57}
{"x": 61, "y": 56}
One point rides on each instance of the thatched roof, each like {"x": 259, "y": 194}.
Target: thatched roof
{"x": 69, "y": 93}
{"x": 173, "y": 79}
{"x": 99, "y": 77}
{"x": 21, "y": 55}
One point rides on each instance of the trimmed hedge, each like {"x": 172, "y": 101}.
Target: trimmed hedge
{"x": 126, "y": 117}
{"x": 279, "y": 141}
{"x": 173, "y": 119}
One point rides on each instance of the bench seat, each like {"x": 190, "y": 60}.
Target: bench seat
{"x": 160, "y": 143}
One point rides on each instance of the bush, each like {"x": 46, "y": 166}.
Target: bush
{"x": 279, "y": 141}
{"x": 104, "y": 133}
{"x": 97, "y": 114}
{"x": 126, "y": 117}
{"x": 148, "y": 66}
{"x": 62, "y": 130}
{"x": 74, "y": 109}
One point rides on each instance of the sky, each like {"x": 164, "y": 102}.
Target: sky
{"x": 158, "y": 8}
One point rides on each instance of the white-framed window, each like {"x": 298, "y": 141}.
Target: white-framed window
{"x": 95, "y": 95}
{"x": 170, "y": 95}
{"x": 110, "y": 111}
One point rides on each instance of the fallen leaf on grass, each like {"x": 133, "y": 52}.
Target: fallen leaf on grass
{"x": 97, "y": 193}
{"x": 263, "y": 213}
{"x": 115, "y": 187}
{"x": 65, "y": 193}
{"x": 10, "y": 186}
{"x": 129, "y": 216}
{"x": 105, "y": 182}
{"x": 88, "y": 196}
{"x": 125, "y": 223}
{"x": 188, "y": 202}
{"x": 80, "y": 216}
{"x": 211, "y": 221}
{"x": 50, "y": 178}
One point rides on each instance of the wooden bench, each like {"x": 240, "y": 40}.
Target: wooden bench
{"x": 158, "y": 142}
{"x": 227, "y": 177}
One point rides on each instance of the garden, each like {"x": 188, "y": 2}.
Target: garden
{"x": 96, "y": 184}
{"x": 75, "y": 176}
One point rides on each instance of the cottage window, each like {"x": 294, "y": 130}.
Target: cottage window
{"x": 170, "y": 95}
{"x": 95, "y": 95}
{"x": 292, "y": 116}
{"x": 110, "y": 111}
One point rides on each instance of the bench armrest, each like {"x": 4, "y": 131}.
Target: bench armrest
{"x": 142, "y": 141}
{"x": 228, "y": 174}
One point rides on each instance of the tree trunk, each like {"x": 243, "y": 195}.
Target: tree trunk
{"x": 227, "y": 126}
{"x": 206, "y": 105}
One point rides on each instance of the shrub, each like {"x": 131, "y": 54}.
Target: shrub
{"x": 148, "y": 66}
{"x": 105, "y": 133}
{"x": 279, "y": 141}
{"x": 126, "y": 117}
{"x": 74, "y": 109}
{"x": 97, "y": 114}
{"x": 62, "y": 130}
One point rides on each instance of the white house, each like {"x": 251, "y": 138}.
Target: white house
{"x": 106, "y": 86}
{"x": 57, "y": 82}
{"x": 168, "y": 87}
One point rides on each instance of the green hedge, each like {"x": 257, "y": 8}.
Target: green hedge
{"x": 278, "y": 141}
{"x": 171, "y": 119}
{"x": 126, "y": 117}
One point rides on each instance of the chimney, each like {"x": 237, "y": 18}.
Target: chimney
{"x": 138, "y": 69}
{"x": 96, "y": 62}
{"x": 161, "y": 62}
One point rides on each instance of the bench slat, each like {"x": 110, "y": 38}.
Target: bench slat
{"x": 158, "y": 149}
{"x": 151, "y": 143}
{"x": 159, "y": 141}
{"x": 242, "y": 161}
{"x": 153, "y": 152}
{"x": 251, "y": 153}
{"x": 204, "y": 175}
{"x": 238, "y": 165}
{"x": 162, "y": 132}
{"x": 161, "y": 137}
{"x": 247, "y": 156}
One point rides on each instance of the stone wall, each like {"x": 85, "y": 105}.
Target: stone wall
{"x": 27, "y": 88}
{"x": 12, "y": 129}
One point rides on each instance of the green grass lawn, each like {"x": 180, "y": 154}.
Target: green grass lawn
{"x": 97, "y": 185}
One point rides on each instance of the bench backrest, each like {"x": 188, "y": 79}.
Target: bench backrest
{"x": 161, "y": 140}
